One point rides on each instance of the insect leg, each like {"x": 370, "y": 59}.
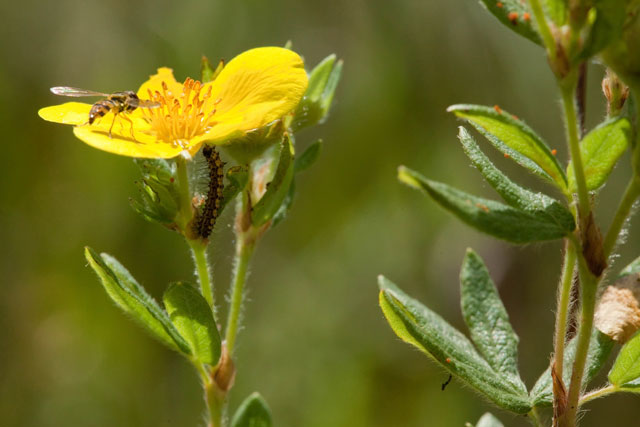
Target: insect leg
{"x": 112, "y": 123}
{"x": 131, "y": 123}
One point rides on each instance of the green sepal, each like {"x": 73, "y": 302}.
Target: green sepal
{"x": 253, "y": 412}
{"x": 247, "y": 147}
{"x": 488, "y": 216}
{"x": 488, "y": 320}
{"x": 131, "y": 297}
{"x": 633, "y": 268}
{"x": 237, "y": 179}
{"x": 300, "y": 164}
{"x": 516, "y": 196}
{"x": 600, "y": 150}
{"x": 502, "y": 10}
{"x": 600, "y": 348}
{"x": 626, "y": 368}
{"x": 515, "y": 139}
{"x": 192, "y": 316}
{"x": 278, "y": 188}
{"x": 606, "y": 21}
{"x": 316, "y": 102}
{"x": 308, "y": 157}
{"x": 489, "y": 420}
{"x": 159, "y": 192}
{"x": 417, "y": 325}
{"x": 207, "y": 72}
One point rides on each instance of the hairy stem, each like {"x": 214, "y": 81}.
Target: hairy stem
{"x": 631, "y": 194}
{"x": 564, "y": 301}
{"x": 595, "y": 394}
{"x": 535, "y": 417}
{"x": 186, "y": 212}
{"x": 199, "y": 252}
{"x": 215, "y": 404}
{"x": 589, "y": 285}
{"x": 245, "y": 245}
{"x": 543, "y": 28}
{"x": 574, "y": 148}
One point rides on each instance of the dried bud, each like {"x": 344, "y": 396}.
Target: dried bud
{"x": 225, "y": 374}
{"x": 618, "y": 312}
{"x": 615, "y": 91}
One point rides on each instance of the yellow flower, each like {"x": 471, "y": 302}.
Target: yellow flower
{"x": 254, "y": 89}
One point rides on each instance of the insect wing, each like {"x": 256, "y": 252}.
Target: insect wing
{"x": 142, "y": 103}
{"x": 75, "y": 92}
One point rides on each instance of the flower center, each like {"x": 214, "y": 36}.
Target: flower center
{"x": 180, "y": 118}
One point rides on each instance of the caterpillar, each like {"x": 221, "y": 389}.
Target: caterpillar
{"x": 207, "y": 217}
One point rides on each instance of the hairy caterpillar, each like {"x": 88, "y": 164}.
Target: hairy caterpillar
{"x": 206, "y": 218}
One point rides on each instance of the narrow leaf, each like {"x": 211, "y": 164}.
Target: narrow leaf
{"x": 516, "y": 196}
{"x": 599, "y": 349}
{"x": 488, "y": 420}
{"x": 207, "y": 72}
{"x": 515, "y": 15}
{"x": 633, "y": 268}
{"x": 488, "y": 216}
{"x": 600, "y": 150}
{"x": 277, "y": 189}
{"x": 424, "y": 329}
{"x": 253, "y": 412}
{"x": 237, "y": 178}
{"x": 319, "y": 77}
{"x": 626, "y": 368}
{"x": 308, "y": 156}
{"x": 515, "y": 139}
{"x": 193, "y": 318}
{"x": 488, "y": 320}
{"x": 131, "y": 297}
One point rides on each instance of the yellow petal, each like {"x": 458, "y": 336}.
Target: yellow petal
{"x": 124, "y": 144}
{"x": 256, "y": 87}
{"x": 154, "y": 83}
{"x": 70, "y": 113}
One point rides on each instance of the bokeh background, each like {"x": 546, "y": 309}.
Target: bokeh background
{"x": 315, "y": 343}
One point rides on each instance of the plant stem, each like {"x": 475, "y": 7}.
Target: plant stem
{"x": 595, "y": 394}
{"x": 589, "y": 285}
{"x": 215, "y": 403}
{"x": 543, "y": 28}
{"x": 630, "y": 195}
{"x": 535, "y": 417}
{"x": 574, "y": 148}
{"x": 199, "y": 251}
{"x": 186, "y": 212}
{"x": 244, "y": 250}
{"x": 564, "y": 301}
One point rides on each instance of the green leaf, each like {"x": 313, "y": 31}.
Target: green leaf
{"x": 282, "y": 213}
{"x": 515, "y": 139}
{"x": 131, "y": 297}
{"x": 599, "y": 349}
{"x": 424, "y": 329}
{"x": 600, "y": 150}
{"x": 607, "y": 19}
{"x": 277, "y": 189}
{"x": 191, "y": 315}
{"x": 516, "y": 196}
{"x": 504, "y": 8}
{"x": 253, "y": 412}
{"x": 557, "y": 10}
{"x": 488, "y": 320}
{"x": 626, "y": 368}
{"x": 207, "y": 72}
{"x": 308, "y": 156}
{"x": 488, "y": 420}
{"x": 160, "y": 195}
{"x": 633, "y": 268}
{"x": 488, "y": 216}
{"x": 314, "y": 106}
{"x": 237, "y": 178}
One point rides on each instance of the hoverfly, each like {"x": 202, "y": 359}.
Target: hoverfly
{"x": 118, "y": 102}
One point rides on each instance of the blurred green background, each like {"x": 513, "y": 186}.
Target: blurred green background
{"x": 315, "y": 342}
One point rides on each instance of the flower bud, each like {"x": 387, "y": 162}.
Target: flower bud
{"x": 618, "y": 312}
{"x": 616, "y": 93}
